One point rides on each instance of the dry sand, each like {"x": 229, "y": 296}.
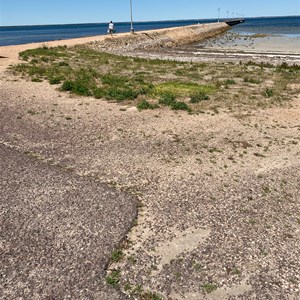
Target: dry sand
{"x": 219, "y": 193}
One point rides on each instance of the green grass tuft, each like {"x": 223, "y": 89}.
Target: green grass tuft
{"x": 167, "y": 98}
{"x": 182, "y": 89}
{"x": 209, "y": 287}
{"x": 144, "y": 104}
{"x": 113, "y": 278}
{"x": 117, "y": 255}
{"x": 179, "y": 105}
{"x": 268, "y": 93}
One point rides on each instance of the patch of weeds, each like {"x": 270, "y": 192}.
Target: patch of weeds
{"x": 229, "y": 82}
{"x": 55, "y": 80}
{"x": 150, "y": 296}
{"x": 117, "y": 255}
{"x": 252, "y": 80}
{"x": 114, "y": 80}
{"x": 63, "y": 64}
{"x": 137, "y": 290}
{"x": 268, "y": 93}
{"x": 113, "y": 278}
{"x": 182, "y": 89}
{"x": 45, "y": 59}
{"x": 83, "y": 83}
{"x": 209, "y": 287}
{"x": 167, "y": 99}
{"x": 285, "y": 66}
{"x": 77, "y": 87}
{"x": 198, "y": 97}
{"x": 144, "y": 104}
{"x": 120, "y": 94}
{"x": 98, "y": 93}
{"x": 43, "y": 52}
{"x": 179, "y": 105}
{"x": 36, "y": 79}
{"x": 67, "y": 85}
{"x": 127, "y": 287}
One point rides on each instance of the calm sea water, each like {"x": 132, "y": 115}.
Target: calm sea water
{"x": 29, "y": 34}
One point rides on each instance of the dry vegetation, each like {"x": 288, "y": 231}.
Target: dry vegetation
{"x": 150, "y": 84}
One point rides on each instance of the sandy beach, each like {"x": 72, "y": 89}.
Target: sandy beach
{"x": 103, "y": 201}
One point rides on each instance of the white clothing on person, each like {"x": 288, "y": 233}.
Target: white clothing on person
{"x": 111, "y": 27}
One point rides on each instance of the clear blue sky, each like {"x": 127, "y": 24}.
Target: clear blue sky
{"x": 33, "y": 12}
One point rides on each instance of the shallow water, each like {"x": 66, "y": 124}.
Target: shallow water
{"x": 251, "y": 43}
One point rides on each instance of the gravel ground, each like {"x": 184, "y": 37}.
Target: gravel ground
{"x": 57, "y": 230}
{"x": 219, "y": 192}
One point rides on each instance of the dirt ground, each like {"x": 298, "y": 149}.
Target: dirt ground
{"x": 219, "y": 200}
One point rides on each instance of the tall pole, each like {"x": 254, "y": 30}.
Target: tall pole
{"x": 131, "y": 28}
{"x": 219, "y": 10}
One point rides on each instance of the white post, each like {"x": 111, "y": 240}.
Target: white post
{"x": 131, "y": 28}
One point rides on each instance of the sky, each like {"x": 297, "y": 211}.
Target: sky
{"x": 37, "y": 12}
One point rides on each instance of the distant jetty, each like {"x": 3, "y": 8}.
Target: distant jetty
{"x": 162, "y": 38}
{"x": 234, "y": 22}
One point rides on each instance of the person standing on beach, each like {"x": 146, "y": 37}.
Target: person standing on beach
{"x": 111, "y": 28}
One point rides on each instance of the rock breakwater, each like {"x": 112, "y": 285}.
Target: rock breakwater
{"x": 161, "y": 38}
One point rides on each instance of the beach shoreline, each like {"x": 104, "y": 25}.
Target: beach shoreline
{"x": 225, "y": 47}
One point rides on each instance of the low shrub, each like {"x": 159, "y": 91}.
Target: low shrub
{"x": 144, "y": 104}
{"x": 268, "y": 93}
{"x": 77, "y": 87}
{"x": 178, "y": 105}
{"x": 98, "y": 93}
{"x": 55, "y": 80}
{"x": 167, "y": 99}
{"x": 229, "y": 82}
{"x": 67, "y": 86}
{"x": 198, "y": 97}
{"x": 121, "y": 94}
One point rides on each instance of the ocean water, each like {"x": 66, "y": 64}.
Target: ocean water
{"x": 15, "y": 35}
{"x": 285, "y": 26}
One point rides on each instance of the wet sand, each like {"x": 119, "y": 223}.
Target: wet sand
{"x": 255, "y": 43}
